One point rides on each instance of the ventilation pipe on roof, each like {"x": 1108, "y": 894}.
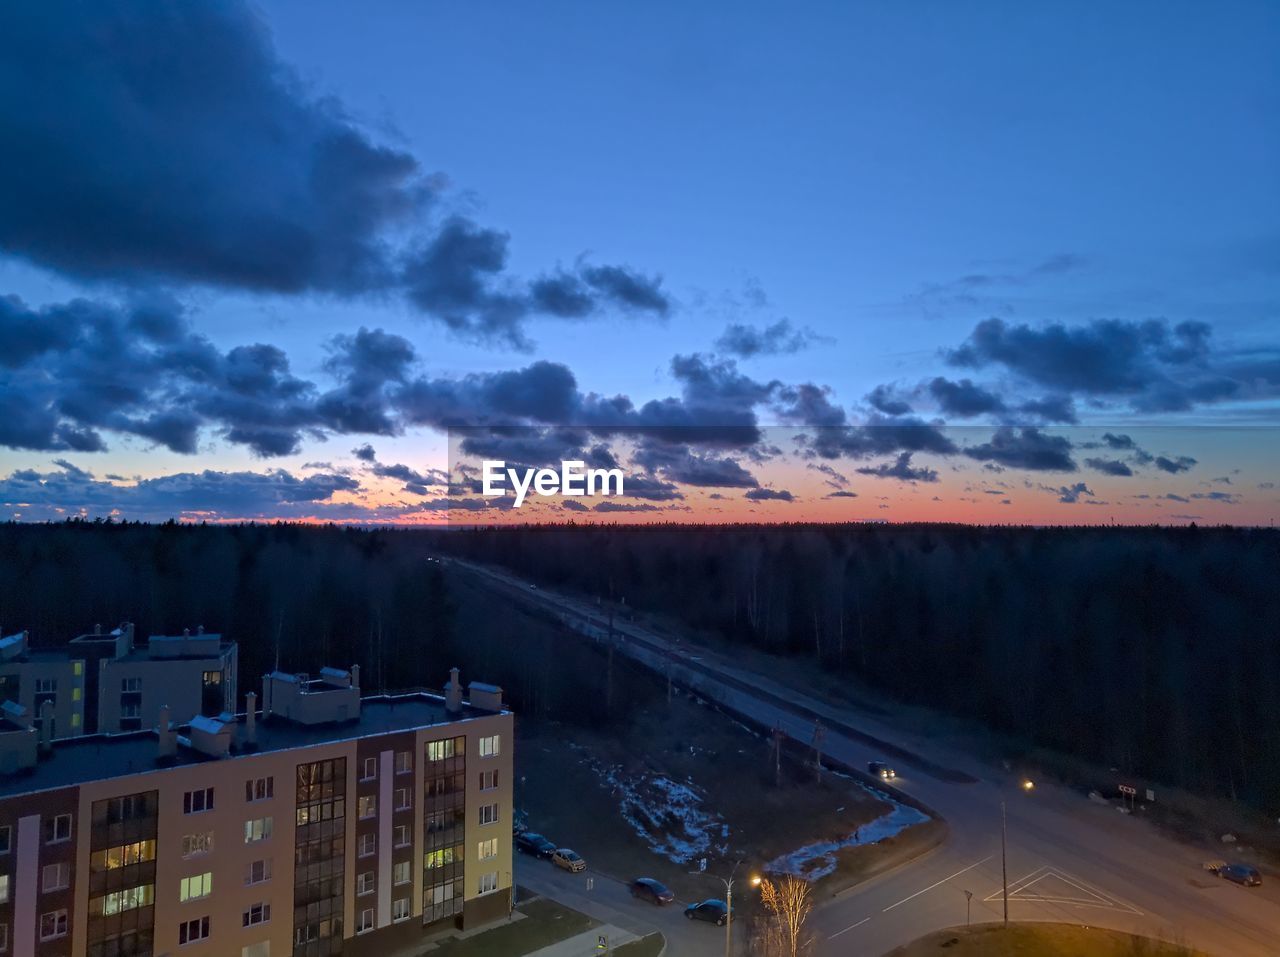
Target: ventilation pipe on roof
{"x": 168, "y": 741}
{"x": 45, "y": 740}
{"x": 251, "y": 720}
{"x": 453, "y": 692}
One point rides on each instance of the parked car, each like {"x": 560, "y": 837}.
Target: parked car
{"x": 655, "y": 892}
{"x": 569, "y": 860}
{"x": 1241, "y": 874}
{"x": 882, "y": 770}
{"x": 531, "y": 842}
{"x": 711, "y": 910}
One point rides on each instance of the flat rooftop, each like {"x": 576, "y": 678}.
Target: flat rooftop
{"x": 97, "y": 757}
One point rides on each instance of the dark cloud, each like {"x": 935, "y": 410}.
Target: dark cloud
{"x": 1229, "y": 498}
{"x": 778, "y": 338}
{"x": 885, "y": 400}
{"x": 365, "y": 453}
{"x": 612, "y": 506}
{"x": 769, "y": 495}
{"x": 901, "y": 469}
{"x": 1070, "y": 494}
{"x": 1027, "y": 448}
{"x": 1173, "y": 466}
{"x": 964, "y": 399}
{"x": 835, "y": 479}
{"x": 573, "y": 505}
{"x": 1109, "y": 466}
{"x": 1058, "y": 409}
{"x": 842, "y": 493}
{"x": 1120, "y": 442}
{"x": 687, "y": 467}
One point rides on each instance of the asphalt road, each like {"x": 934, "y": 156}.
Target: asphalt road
{"x": 1068, "y": 859}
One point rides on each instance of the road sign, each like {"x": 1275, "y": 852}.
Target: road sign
{"x": 1126, "y": 789}
{"x": 602, "y": 942}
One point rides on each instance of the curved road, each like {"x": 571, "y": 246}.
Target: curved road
{"x": 1068, "y": 859}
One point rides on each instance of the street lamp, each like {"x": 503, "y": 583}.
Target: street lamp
{"x": 728, "y": 905}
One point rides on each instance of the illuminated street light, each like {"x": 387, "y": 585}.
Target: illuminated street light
{"x": 1028, "y": 785}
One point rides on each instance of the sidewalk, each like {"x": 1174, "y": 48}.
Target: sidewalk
{"x": 587, "y": 944}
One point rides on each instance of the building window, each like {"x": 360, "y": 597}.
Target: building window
{"x": 488, "y": 813}
{"x": 257, "y": 914}
{"x": 489, "y": 849}
{"x": 367, "y": 807}
{"x": 260, "y": 949}
{"x": 195, "y": 802}
{"x": 53, "y": 924}
{"x": 117, "y": 902}
{"x": 400, "y": 909}
{"x": 403, "y": 799}
{"x": 123, "y": 855}
{"x": 259, "y": 829}
{"x": 259, "y": 789}
{"x": 448, "y": 748}
{"x": 196, "y": 844}
{"x": 46, "y": 686}
{"x": 130, "y": 685}
{"x": 258, "y": 872}
{"x": 4, "y": 888}
{"x": 4, "y": 938}
{"x": 491, "y": 746}
{"x": 189, "y": 931}
{"x": 368, "y": 845}
{"x": 58, "y": 829}
{"x": 193, "y": 888}
{"x": 6, "y": 839}
{"x": 488, "y": 883}
{"x": 400, "y": 873}
{"x": 401, "y": 835}
{"x": 364, "y": 882}
{"x": 442, "y": 856}
{"x": 369, "y": 769}
{"x": 364, "y": 923}
{"x": 404, "y": 762}
{"x": 56, "y": 877}
{"x": 489, "y": 780}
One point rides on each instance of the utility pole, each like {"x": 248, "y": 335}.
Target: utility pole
{"x": 1004, "y": 866}
{"x": 968, "y": 903}
{"x": 777, "y": 756}
{"x": 818, "y": 733}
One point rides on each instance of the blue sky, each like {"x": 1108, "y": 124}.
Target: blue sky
{"x": 884, "y": 177}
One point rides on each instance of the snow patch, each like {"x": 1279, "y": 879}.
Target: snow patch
{"x": 815, "y": 861}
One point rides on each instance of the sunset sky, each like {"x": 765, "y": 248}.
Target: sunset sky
{"x": 996, "y": 262}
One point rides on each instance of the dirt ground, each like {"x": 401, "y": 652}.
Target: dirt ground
{"x": 699, "y": 783}
{"x": 1039, "y": 940}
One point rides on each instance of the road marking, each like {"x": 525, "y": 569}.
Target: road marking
{"x": 849, "y": 928}
{"x": 963, "y": 870}
{"x": 1038, "y": 887}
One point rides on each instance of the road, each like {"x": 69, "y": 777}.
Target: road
{"x": 1068, "y": 859}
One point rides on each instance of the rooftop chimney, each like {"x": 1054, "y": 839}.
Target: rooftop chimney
{"x": 453, "y": 693}
{"x": 46, "y": 726}
{"x": 168, "y": 741}
{"x": 199, "y": 629}
{"x": 97, "y": 629}
{"x": 251, "y": 720}
{"x": 355, "y": 676}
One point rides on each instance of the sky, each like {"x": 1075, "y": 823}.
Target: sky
{"x": 991, "y": 262}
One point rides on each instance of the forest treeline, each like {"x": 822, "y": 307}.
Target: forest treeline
{"x": 1152, "y": 650}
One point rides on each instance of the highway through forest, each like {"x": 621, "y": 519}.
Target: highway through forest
{"x": 1068, "y": 859}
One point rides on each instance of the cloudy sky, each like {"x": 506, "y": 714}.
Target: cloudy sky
{"x": 983, "y": 262}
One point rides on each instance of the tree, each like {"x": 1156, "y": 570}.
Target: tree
{"x": 787, "y": 903}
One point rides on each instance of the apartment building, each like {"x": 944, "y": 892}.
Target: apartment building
{"x": 102, "y": 681}
{"x": 328, "y": 823}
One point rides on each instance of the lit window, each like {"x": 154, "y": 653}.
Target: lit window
{"x": 400, "y": 873}
{"x": 117, "y": 902}
{"x": 488, "y": 813}
{"x": 198, "y": 801}
{"x": 489, "y": 849}
{"x": 400, "y": 909}
{"x": 448, "y": 748}
{"x": 193, "y": 888}
{"x": 442, "y": 856}
{"x": 53, "y": 924}
{"x": 488, "y": 883}
{"x": 56, "y": 877}
{"x": 75, "y": 694}
{"x": 364, "y": 883}
{"x": 257, "y": 914}
{"x": 259, "y": 829}
{"x": 367, "y": 807}
{"x": 77, "y": 669}
{"x": 75, "y": 720}
{"x": 189, "y": 931}
{"x": 491, "y": 746}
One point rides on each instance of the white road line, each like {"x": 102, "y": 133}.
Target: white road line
{"x": 938, "y": 883}
{"x": 849, "y": 928}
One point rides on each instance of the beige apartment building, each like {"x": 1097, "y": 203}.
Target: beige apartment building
{"x": 103, "y": 682}
{"x": 326, "y": 823}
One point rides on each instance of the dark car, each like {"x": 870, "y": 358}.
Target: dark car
{"x": 882, "y": 770}
{"x": 1241, "y": 874}
{"x": 530, "y": 842}
{"x": 711, "y": 910}
{"x": 655, "y": 892}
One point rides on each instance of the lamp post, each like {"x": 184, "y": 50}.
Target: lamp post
{"x": 1028, "y": 786}
{"x": 728, "y": 905}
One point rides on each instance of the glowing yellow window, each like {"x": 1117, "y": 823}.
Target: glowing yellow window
{"x": 75, "y": 694}
{"x": 78, "y": 668}
{"x": 75, "y": 720}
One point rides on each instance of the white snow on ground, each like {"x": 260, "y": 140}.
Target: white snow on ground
{"x": 814, "y": 861}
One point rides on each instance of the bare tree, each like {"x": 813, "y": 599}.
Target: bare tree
{"x": 787, "y": 903}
